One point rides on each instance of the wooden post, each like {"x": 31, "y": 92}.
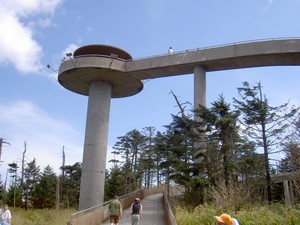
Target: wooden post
{"x": 57, "y": 195}
{"x": 287, "y": 198}
{"x": 292, "y": 192}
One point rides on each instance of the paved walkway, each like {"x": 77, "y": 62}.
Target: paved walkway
{"x": 153, "y": 212}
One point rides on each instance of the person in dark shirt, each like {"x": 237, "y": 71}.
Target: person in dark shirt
{"x": 136, "y": 211}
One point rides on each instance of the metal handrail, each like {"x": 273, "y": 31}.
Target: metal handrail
{"x": 102, "y": 56}
{"x": 74, "y": 215}
{"x": 218, "y": 46}
{"x": 189, "y": 50}
{"x": 102, "y": 209}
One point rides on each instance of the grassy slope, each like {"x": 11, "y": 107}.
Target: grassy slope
{"x": 40, "y": 217}
{"x": 254, "y": 215}
{"x": 202, "y": 215}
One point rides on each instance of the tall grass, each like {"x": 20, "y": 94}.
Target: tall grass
{"x": 275, "y": 214}
{"x": 240, "y": 202}
{"x": 256, "y": 215}
{"x": 40, "y": 216}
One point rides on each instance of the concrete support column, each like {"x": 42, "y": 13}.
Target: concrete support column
{"x": 199, "y": 99}
{"x": 199, "y": 87}
{"x": 95, "y": 145}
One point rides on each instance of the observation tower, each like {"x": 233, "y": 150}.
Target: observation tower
{"x": 104, "y": 72}
{"x": 98, "y": 72}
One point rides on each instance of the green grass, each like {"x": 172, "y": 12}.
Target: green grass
{"x": 254, "y": 215}
{"x": 275, "y": 214}
{"x": 40, "y": 216}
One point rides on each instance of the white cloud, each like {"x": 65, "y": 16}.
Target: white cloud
{"x": 17, "y": 44}
{"x": 25, "y": 8}
{"x": 270, "y": 2}
{"x": 52, "y": 73}
{"x": 70, "y": 49}
{"x": 45, "y": 136}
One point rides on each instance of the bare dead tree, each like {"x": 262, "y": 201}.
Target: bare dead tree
{"x": 1, "y": 145}
{"x": 23, "y": 164}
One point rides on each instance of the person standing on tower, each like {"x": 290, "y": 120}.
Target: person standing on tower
{"x": 170, "y": 51}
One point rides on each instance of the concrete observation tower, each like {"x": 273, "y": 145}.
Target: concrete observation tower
{"x": 97, "y": 71}
{"x": 104, "y": 72}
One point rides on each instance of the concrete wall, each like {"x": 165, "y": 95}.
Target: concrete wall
{"x": 168, "y": 211}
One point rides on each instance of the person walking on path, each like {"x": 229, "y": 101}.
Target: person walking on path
{"x": 226, "y": 219}
{"x": 115, "y": 211}
{"x": 136, "y": 211}
{"x": 5, "y": 215}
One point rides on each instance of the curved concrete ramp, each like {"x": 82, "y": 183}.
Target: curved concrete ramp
{"x": 153, "y": 212}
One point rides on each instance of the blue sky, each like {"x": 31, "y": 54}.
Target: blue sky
{"x": 35, "y": 108}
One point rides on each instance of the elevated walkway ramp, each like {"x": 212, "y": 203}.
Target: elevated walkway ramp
{"x": 156, "y": 210}
{"x": 153, "y": 212}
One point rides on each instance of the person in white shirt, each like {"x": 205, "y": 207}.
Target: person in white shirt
{"x": 226, "y": 219}
{"x": 170, "y": 51}
{"x": 5, "y": 215}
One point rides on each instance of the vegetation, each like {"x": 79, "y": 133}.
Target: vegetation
{"x": 221, "y": 155}
{"x": 255, "y": 215}
{"x": 274, "y": 214}
{"x": 264, "y": 124}
{"x": 40, "y": 216}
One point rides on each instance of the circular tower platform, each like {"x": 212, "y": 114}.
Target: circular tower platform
{"x": 99, "y": 63}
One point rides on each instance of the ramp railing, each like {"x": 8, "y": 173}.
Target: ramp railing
{"x": 100, "y": 213}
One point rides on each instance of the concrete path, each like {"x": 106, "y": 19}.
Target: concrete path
{"x": 153, "y": 212}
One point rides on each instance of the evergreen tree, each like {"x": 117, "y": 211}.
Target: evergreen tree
{"x": 114, "y": 183}
{"x": 31, "y": 179}
{"x": 71, "y": 185}
{"x": 14, "y": 192}
{"x": 130, "y": 147}
{"x": 291, "y": 149}
{"x": 223, "y": 154}
{"x": 180, "y": 146}
{"x": 148, "y": 156}
{"x": 44, "y": 195}
{"x": 2, "y": 189}
{"x": 226, "y": 136}
{"x": 262, "y": 123}
{"x": 290, "y": 163}
{"x": 13, "y": 196}
{"x": 160, "y": 156}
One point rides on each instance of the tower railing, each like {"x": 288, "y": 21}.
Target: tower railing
{"x": 190, "y": 50}
{"x": 217, "y": 46}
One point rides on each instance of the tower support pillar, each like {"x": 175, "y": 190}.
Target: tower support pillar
{"x": 199, "y": 87}
{"x": 199, "y": 99}
{"x": 95, "y": 145}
